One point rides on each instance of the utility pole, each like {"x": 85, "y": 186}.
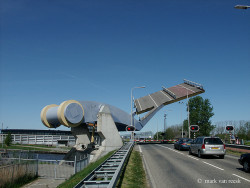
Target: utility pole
{"x": 165, "y": 116}
{"x": 188, "y": 117}
{"x": 2, "y": 135}
{"x": 181, "y": 121}
{"x": 157, "y": 130}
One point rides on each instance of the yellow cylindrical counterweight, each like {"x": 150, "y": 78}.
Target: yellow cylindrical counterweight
{"x": 49, "y": 117}
{"x": 69, "y": 113}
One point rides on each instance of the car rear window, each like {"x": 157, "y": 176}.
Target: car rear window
{"x": 212, "y": 141}
{"x": 186, "y": 140}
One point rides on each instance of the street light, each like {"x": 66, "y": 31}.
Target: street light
{"x": 165, "y": 116}
{"x": 242, "y": 7}
{"x": 132, "y": 124}
{"x": 2, "y": 135}
{"x": 181, "y": 121}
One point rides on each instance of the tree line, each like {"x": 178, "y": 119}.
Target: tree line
{"x": 200, "y": 113}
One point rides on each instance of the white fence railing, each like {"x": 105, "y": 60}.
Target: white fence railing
{"x": 13, "y": 168}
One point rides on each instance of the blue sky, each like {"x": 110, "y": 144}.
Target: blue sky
{"x": 52, "y": 51}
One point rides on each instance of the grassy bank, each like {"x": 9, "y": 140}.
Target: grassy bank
{"x": 76, "y": 178}
{"x": 19, "y": 147}
{"x": 33, "y": 147}
{"x": 232, "y": 152}
{"x": 133, "y": 175}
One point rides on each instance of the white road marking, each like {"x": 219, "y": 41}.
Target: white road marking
{"x": 241, "y": 177}
{"x": 139, "y": 104}
{"x": 166, "y": 95}
{"x": 187, "y": 88}
{"x": 212, "y": 165}
{"x": 193, "y": 157}
{"x": 153, "y": 100}
{"x": 171, "y": 149}
{"x": 140, "y": 149}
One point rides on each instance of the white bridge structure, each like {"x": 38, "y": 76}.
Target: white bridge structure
{"x": 108, "y": 120}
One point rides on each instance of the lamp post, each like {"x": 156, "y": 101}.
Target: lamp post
{"x": 132, "y": 107}
{"x": 188, "y": 117}
{"x": 165, "y": 124}
{"x": 157, "y": 131}
{"x": 181, "y": 121}
{"x": 241, "y": 6}
{"x": 2, "y": 135}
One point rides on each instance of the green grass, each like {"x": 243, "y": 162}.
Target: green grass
{"x": 231, "y": 152}
{"x": 130, "y": 177}
{"x": 20, "y": 181}
{"x": 25, "y": 148}
{"x": 33, "y": 147}
{"x": 247, "y": 143}
{"x": 76, "y": 178}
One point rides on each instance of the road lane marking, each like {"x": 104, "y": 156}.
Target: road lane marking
{"x": 153, "y": 100}
{"x": 166, "y": 95}
{"x": 170, "y": 149}
{"x": 187, "y": 88}
{"x": 193, "y": 157}
{"x": 241, "y": 177}
{"x": 139, "y": 104}
{"x": 212, "y": 165}
{"x": 140, "y": 149}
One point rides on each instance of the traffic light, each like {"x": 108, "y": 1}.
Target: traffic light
{"x": 194, "y": 128}
{"x": 130, "y": 128}
{"x": 229, "y": 128}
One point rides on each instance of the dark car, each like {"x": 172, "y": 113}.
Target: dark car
{"x": 183, "y": 144}
{"x": 244, "y": 160}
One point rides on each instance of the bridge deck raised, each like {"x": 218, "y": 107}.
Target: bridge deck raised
{"x": 164, "y": 97}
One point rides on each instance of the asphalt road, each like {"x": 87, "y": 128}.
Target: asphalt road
{"x": 167, "y": 167}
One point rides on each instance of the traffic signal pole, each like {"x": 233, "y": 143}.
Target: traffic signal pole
{"x": 164, "y": 137}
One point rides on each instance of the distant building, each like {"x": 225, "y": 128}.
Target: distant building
{"x": 39, "y": 137}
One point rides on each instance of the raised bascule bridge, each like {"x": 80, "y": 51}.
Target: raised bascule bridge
{"x": 85, "y": 117}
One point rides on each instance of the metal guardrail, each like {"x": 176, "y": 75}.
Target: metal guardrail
{"x": 238, "y": 146}
{"x": 108, "y": 173}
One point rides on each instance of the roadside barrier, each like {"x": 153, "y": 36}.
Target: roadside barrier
{"x": 108, "y": 173}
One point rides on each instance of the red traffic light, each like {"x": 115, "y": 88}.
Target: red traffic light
{"x": 229, "y": 128}
{"x": 194, "y": 128}
{"x": 130, "y": 128}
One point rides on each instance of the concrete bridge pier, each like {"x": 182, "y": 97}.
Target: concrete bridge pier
{"x": 108, "y": 132}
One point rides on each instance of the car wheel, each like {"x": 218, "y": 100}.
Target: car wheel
{"x": 199, "y": 154}
{"x": 246, "y": 166}
{"x": 190, "y": 152}
{"x": 179, "y": 148}
{"x": 222, "y": 156}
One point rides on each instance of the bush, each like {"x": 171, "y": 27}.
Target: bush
{"x": 8, "y": 140}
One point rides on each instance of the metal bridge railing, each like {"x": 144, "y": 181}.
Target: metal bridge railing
{"x": 108, "y": 173}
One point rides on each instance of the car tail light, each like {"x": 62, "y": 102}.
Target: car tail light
{"x": 183, "y": 144}
{"x": 203, "y": 146}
